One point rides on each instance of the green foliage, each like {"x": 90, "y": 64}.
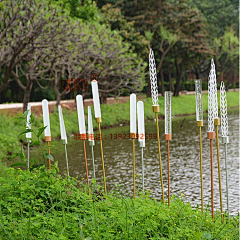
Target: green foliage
{"x": 43, "y": 205}
{"x": 219, "y": 15}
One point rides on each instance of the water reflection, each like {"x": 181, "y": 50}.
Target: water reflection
{"x": 184, "y": 161}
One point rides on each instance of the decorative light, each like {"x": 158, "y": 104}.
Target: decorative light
{"x": 199, "y": 109}
{"x": 153, "y": 78}
{"x": 223, "y": 109}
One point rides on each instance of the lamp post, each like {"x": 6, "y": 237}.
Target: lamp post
{"x": 63, "y": 134}
{"x": 98, "y": 118}
{"x": 91, "y": 137}
{"x": 211, "y": 133}
{"x": 141, "y": 134}
{"x": 133, "y": 133}
{"x": 216, "y": 123}
{"x": 47, "y": 130}
{"x": 224, "y": 129}
{"x": 28, "y": 134}
{"x": 82, "y": 129}
{"x": 199, "y": 118}
{"x": 168, "y": 133}
{"x": 155, "y": 106}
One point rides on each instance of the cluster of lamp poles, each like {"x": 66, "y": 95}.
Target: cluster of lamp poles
{"x": 137, "y": 110}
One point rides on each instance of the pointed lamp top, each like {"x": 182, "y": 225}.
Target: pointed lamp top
{"x": 153, "y": 78}
{"x": 223, "y": 110}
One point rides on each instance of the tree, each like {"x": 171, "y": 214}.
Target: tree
{"x": 227, "y": 55}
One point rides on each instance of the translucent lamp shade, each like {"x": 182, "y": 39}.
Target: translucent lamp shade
{"x": 141, "y": 128}
{"x": 46, "y": 120}
{"x": 96, "y": 101}
{"x": 168, "y": 114}
{"x": 80, "y": 111}
{"x": 29, "y": 134}
{"x": 133, "y": 113}
{"x": 198, "y": 91}
{"x": 62, "y": 125}
{"x": 90, "y": 126}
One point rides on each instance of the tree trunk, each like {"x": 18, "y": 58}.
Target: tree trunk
{"x": 149, "y": 89}
{"x": 170, "y": 79}
{"x": 27, "y": 94}
{"x": 178, "y": 79}
{"x": 103, "y": 98}
{"x": 162, "y": 81}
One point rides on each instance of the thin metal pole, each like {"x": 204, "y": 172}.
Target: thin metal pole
{"x": 49, "y": 161}
{"x": 159, "y": 153}
{"x": 28, "y": 155}
{"x": 168, "y": 151}
{"x": 94, "y": 176}
{"x": 211, "y": 154}
{"x": 219, "y": 173}
{"x": 85, "y": 156}
{"x": 101, "y": 146}
{"x": 200, "y": 141}
{"x": 142, "y": 168}
{"x": 66, "y": 159}
{"x": 134, "y": 191}
{"x": 226, "y": 179}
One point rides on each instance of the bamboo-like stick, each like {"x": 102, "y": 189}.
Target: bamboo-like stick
{"x": 134, "y": 184}
{"x": 201, "y": 173}
{"x": 211, "y": 155}
{"x": 219, "y": 168}
{"x": 85, "y": 157}
{"x": 101, "y": 146}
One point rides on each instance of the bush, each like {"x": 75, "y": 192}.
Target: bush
{"x": 43, "y": 205}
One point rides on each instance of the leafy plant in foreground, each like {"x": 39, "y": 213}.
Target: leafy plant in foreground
{"x": 21, "y": 155}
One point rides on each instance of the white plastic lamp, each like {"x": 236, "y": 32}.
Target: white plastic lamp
{"x": 82, "y": 130}
{"x": 98, "y": 118}
{"x": 96, "y": 101}
{"x": 133, "y": 133}
{"x": 46, "y": 122}
{"x": 63, "y": 134}
{"x": 133, "y": 113}
{"x": 81, "y": 118}
{"x": 141, "y": 133}
{"x": 91, "y": 137}
{"x": 28, "y": 134}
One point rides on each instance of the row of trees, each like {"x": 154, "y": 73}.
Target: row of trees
{"x": 39, "y": 42}
{"x": 45, "y": 42}
{"x": 184, "y": 35}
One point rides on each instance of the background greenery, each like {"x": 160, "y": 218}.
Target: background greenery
{"x": 185, "y": 36}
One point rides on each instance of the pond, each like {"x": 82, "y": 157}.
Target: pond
{"x": 184, "y": 161}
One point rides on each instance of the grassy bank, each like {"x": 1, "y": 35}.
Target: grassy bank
{"x": 114, "y": 114}
{"x": 43, "y": 205}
